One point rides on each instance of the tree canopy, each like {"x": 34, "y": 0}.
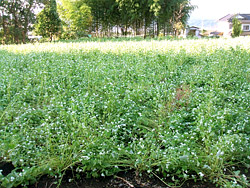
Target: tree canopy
{"x": 236, "y": 28}
{"x": 76, "y": 17}
{"x": 48, "y": 21}
{"x": 99, "y": 17}
{"x": 16, "y": 17}
{"x": 147, "y": 17}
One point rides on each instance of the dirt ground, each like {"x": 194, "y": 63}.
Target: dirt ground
{"x": 129, "y": 179}
{"x": 123, "y": 180}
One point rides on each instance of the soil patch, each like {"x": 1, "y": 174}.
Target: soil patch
{"x": 129, "y": 179}
{"x": 6, "y": 168}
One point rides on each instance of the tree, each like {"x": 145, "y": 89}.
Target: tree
{"x": 16, "y": 17}
{"x": 182, "y": 10}
{"x": 76, "y": 16}
{"x": 105, "y": 15}
{"x": 159, "y": 13}
{"x": 101, "y": 16}
{"x": 135, "y": 12}
{"x": 48, "y": 22}
{"x": 127, "y": 14}
{"x": 236, "y": 27}
{"x": 133, "y": 15}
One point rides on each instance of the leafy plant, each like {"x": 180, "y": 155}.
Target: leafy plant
{"x": 174, "y": 109}
{"x": 236, "y": 27}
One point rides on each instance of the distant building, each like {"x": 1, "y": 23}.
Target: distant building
{"x": 193, "y": 31}
{"x": 225, "y": 24}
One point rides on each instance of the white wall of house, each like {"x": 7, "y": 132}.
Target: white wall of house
{"x": 225, "y": 27}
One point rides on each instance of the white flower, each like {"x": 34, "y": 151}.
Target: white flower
{"x": 219, "y": 153}
{"x": 201, "y": 174}
{"x": 206, "y": 166}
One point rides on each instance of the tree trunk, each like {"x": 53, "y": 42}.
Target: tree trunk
{"x": 158, "y": 28}
{"x": 26, "y": 23}
{"x": 51, "y": 37}
{"x": 136, "y": 28}
{"x": 109, "y": 31}
{"x": 25, "y": 31}
{"x": 24, "y": 37}
{"x": 153, "y": 29}
{"x": 97, "y": 29}
{"x": 173, "y": 22}
{"x": 126, "y": 29}
{"x": 5, "y": 33}
{"x": 145, "y": 29}
{"x": 16, "y": 29}
{"x": 164, "y": 32}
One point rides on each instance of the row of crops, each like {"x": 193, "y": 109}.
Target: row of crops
{"x": 175, "y": 109}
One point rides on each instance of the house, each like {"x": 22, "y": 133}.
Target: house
{"x": 193, "y": 31}
{"x": 225, "y": 24}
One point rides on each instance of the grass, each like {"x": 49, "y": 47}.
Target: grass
{"x": 176, "y": 109}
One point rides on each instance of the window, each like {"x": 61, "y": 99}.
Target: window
{"x": 230, "y": 26}
{"x": 246, "y": 27}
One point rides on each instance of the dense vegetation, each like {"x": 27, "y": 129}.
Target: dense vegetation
{"x": 15, "y": 19}
{"x": 137, "y": 17}
{"x": 177, "y": 109}
{"x": 79, "y": 18}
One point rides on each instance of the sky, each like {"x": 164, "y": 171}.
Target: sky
{"x": 216, "y": 9}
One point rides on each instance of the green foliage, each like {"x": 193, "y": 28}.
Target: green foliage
{"x": 236, "y": 28}
{"x": 76, "y": 16}
{"x": 16, "y": 18}
{"x": 177, "y": 109}
{"x": 135, "y": 17}
{"x": 136, "y": 12}
{"x": 48, "y": 22}
{"x": 105, "y": 15}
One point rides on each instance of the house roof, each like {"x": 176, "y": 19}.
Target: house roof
{"x": 229, "y": 17}
{"x": 194, "y": 28}
{"x": 246, "y": 16}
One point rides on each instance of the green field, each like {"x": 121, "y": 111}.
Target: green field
{"x": 174, "y": 109}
